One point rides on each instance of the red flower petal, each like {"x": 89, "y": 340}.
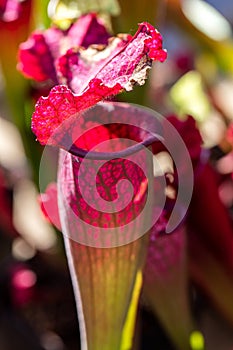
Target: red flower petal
{"x": 154, "y": 44}
{"x": 62, "y": 104}
{"x": 189, "y": 133}
{"x": 105, "y": 73}
{"x": 37, "y": 56}
{"x": 125, "y": 60}
{"x": 88, "y": 30}
{"x": 49, "y": 205}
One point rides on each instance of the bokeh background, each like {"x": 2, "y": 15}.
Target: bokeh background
{"x": 37, "y": 307}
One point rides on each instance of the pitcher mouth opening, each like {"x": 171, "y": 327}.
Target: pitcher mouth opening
{"x": 82, "y": 153}
{"x": 129, "y": 127}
